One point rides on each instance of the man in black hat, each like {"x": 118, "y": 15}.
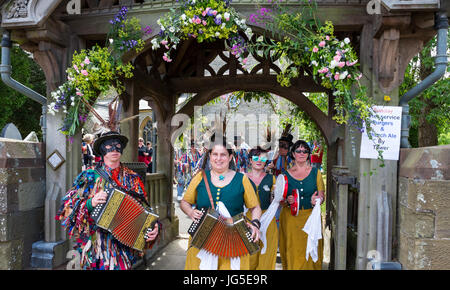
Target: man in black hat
{"x": 97, "y": 247}
{"x": 282, "y": 160}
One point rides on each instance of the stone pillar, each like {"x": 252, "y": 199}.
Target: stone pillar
{"x": 423, "y": 203}
{"x": 53, "y": 59}
{"x": 22, "y": 194}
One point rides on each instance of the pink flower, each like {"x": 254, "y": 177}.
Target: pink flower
{"x": 76, "y": 68}
{"x": 322, "y": 43}
{"x": 166, "y": 58}
{"x": 198, "y": 21}
{"x": 323, "y": 70}
{"x": 337, "y": 58}
{"x": 358, "y": 77}
{"x": 341, "y": 64}
{"x": 164, "y": 42}
{"x": 327, "y": 37}
{"x": 214, "y": 12}
{"x": 84, "y": 72}
{"x": 315, "y": 49}
{"x": 204, "y": 22}
{"x": 82, "y": 64}
{"x": 336, "y": 77}
{"x": 351, "y": 63}
{"x": 78, "y": 93}
{"x": 87, "y": 61}
{"x": 244, "y": 61}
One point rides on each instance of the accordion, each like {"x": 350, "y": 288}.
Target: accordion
{"x": 223, "y": 237}
{"x": 125, "y": 218}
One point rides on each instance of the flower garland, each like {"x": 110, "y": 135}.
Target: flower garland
{"x": 333, "y": 62}
{"x": 205, "y": 21}
{"x": 94, "y": 71}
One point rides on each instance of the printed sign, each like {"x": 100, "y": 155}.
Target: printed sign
{"x": 388, "y": 129}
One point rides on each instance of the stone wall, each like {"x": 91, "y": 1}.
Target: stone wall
{"x": 424, "y": 208}
{"x": 22, "y": 195}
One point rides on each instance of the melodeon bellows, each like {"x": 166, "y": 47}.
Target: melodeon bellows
{"x": 229, "y": 238}
{"x": 125, "y": 218}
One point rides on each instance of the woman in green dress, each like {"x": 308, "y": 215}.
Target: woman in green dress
{"x": 232, "y": 189}
{"x": 263, "y": 183}
{"x": 308, "y": 181}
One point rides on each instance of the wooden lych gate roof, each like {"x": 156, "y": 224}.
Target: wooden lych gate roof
{"x": 386, "y": 40}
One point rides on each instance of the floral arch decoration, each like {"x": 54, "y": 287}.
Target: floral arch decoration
{"x": 296, "y": 38}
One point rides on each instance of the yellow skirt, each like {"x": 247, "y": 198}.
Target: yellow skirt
{"x": 193, "y": 263}
{"x": 293, "y": 242}
{"x": 267, "y": 260}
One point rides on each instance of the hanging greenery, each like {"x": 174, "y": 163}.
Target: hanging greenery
{"x": 205, "y": 21}
{"x": 299, "y": 39}
{"x": 94, "y": 71}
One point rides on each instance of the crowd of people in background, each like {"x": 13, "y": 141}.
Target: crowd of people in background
{"x": 89, "y": 158}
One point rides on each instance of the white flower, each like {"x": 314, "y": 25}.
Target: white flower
{"x": 155, "y": 44}
{"x": 183, "y": 16}
{"x": 333, "y": 64}
{"x": 226, "y": 15}
{"x": 314, "y": 63}
{"x": 249, "y": 32}
{"x": 219, "y": 16}
{"x": 111, "y": 40}
{"x": 172, "y": 29}
{"x": 260, "y": 38}
{"x": 343, "y": 75}
{"x": 346, "y": 40}
{"x": 163, "y": 28}
{"x": 217, "y": 34}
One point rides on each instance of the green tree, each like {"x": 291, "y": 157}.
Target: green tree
{"x": 430, "y": 111}
{"x": 16, "y": 108}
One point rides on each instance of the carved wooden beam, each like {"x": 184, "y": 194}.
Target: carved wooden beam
{"x": 255, "y": 82}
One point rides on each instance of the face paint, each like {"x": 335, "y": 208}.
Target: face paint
{"x": 110, "y": 146}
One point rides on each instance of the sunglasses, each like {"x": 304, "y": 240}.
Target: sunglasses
{"x": 301, "y": 151}
{"x": 262, "y": 159}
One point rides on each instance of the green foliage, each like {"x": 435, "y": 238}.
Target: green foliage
{"x": 16, "y": 108}
{"x": 435, "y": 99}
{"x": 95, "y": 71}
{"x": 203, "y": 20}
{"x": 302, "y": 41}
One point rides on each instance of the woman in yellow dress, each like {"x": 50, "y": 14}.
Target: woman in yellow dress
{"x": 232, "y": 189}
{"x": 263, "y": 183}
{"x": 293, "y": 240}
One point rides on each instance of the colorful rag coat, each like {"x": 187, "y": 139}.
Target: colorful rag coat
{"x": 98, "y": 248}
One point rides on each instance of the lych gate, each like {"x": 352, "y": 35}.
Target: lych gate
{"x": 386, "y": 40}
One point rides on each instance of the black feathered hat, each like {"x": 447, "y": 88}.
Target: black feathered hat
{"x": 107, "y": 136}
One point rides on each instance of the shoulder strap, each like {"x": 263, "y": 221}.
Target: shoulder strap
{"x": 108, "y": 179}
{"x": 207, "y": 188}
